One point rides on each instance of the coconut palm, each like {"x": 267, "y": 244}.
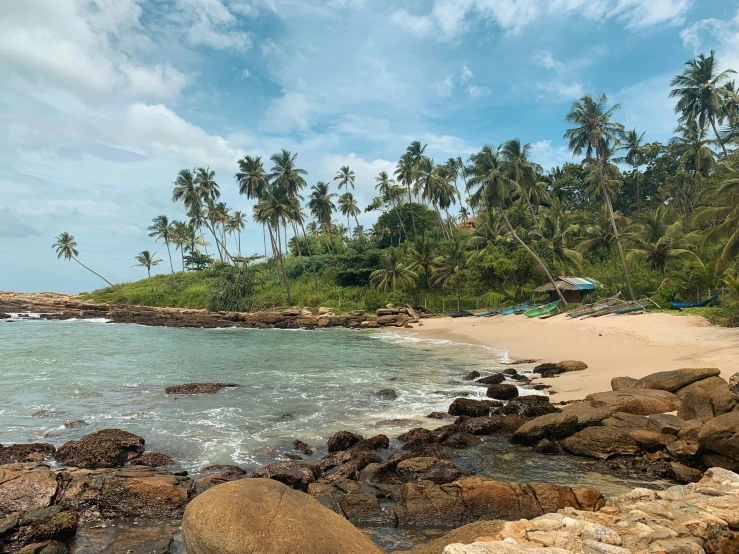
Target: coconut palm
{"x": 634, "y": 156}
{"x": 161, "y": 229}
{"x": 186, "y": 189}
{"x": 694, "y": 149}
{"x": 66, "y": 247}
{"x": 182, "y": 237}
{"x": 386, "y": 187}
{"x": 270, "y": 210}
{"x": 558, "y": 229}
{"x": 658, "y": 237}
{"x": 286, "y": 174}
{"x": 345, "y": 177}
{"x": 451, "y": 269}
{"x": 321, "y": 206}
{"x": 424, "y": 258}
{"x": 523, "y": 172}
{"x": 701, "y": 90}
{"x": 348, "y": 207}
{"x": 405, "y": 174}
{"x": 595, "y": 133}
{"x": 251, "y": 177}
{"x": 236, "y": 224}
{"x": 146, "y": 259}
{"x": 430, "y": 180}
{"x": 394, "y": 273}
{"x": 209, "y": 192}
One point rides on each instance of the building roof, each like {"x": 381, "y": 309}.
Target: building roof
{"x": 569, "y": 283}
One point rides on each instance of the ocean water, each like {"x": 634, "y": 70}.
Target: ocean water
{"x": 114, "y": 375}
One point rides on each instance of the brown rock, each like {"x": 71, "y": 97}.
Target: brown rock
{"x": 502, "y": 392}
{"x": 636, "y": 401}
{"x": 300, "y": 446}
{"x": 549, "y": 426}
{"x": 706, "y": 399}
{"x": 429, "y": 469}
{"x": 261, "y": 515}
{"x": 357, "y": 502}
{"x": 154, "y": 459}
{"x": 471, "y": 407}
{"x": 620, "y": 383}
{"x": 550, "y": 369}
{"x": 534, "y": 405}
{"x": 23, "y": 489}
{"x": 106, "y": 448}
{"x": 199, "y": 388}
{"x": 46, "y": 547}
{"x": 293, "y": 474}
{"x": 494, "y": 379}
{"x": 721, "y": 436}
{"x": 19, "y": 453}
{"x": 673, "y": 381}
{"x": 472, "y": 375}
{"x": 48, "y": 524}
{"x": 601, "y": 443}
{"x": 665, "y": 423}
{"x": 343, "y": 440}
{"x": 148, "y": 540}
{"x": 684, "y": 474}
{"x": 386, "y": 394}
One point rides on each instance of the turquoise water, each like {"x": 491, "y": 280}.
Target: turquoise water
{"x": 113, "y": 375}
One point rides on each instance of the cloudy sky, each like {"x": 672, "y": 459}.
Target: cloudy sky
{"x": 103, "y": 101}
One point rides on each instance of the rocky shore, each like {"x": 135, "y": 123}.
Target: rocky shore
{"x": 53, "y": 306}
{"x": 680, "y": 425}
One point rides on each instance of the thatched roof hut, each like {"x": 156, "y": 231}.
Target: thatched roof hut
{"x": 573, "y": 289}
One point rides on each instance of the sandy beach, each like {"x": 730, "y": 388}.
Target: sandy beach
{"x": 612, "y": 345}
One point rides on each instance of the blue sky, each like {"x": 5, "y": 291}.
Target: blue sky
{"x": 103, "y": 101}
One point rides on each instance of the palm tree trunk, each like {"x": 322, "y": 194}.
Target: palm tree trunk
{"x": 297, "y": 240}
{"x": 264, "y": 236}
{"x": 148, "y": 270}
{"x": 170, "y": 259}
{"x": 310, "y": 254}
{"x": 238, "y": 238}
{"x": 638, "y": 189}
{"x": 282, "y": 266}
{"x": 91, "y": 271}
{"x": 400, "y": 219}
{"x": 410, "y": 206}
{"x": 533, "y": 214}
{"x": 218, "y": 242}
{"x": 718, "y": 138}
{"x": 533, "y": 255}
{"x": 607, "y": 198}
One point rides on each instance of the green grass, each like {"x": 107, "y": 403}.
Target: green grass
{"x": 724, "y": 316}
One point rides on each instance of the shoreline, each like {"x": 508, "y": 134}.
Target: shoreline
{"x": 611, "y": 346}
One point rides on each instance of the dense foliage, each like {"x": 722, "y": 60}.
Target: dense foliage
{"x": 644, "y": 218}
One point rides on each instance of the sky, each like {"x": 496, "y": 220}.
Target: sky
{"x": 102, "y": 102}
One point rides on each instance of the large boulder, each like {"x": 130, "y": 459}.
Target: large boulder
{"x": 636, "y": 401}
{"x": 534, "y": 405}
{"x": 601, "y": 443}
{"x": 199, "y": 388}
{"x": 706, "y": 399}
{"x": 672, "y": 381}
{"x": 293, "y": 474}
{"x": 587, "y": 414}
{"x": 266, "y": 517}
{"x": 549, "y": 426}
{"x": 550, "y": 369}
{"x": 343, "y": 440}
{"x": 19, "y": 453}
{"x": 502, "y": 392}
{"x": 48, "y": 524}
{"x": 494, "y": 379}
{"x": 721, "y": 436}
{"x": 429, "y": 469}
{"x": 621, "y": 383}
{"x": 472, "y": 408}
{"x": 734, "y": 385}
{"x": 101, "y": 449}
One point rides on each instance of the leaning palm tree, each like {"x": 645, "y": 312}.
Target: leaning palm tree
{"x": 160, "y": 229}
{"x": 236, "y": 224}
{"x": 394, "y": 273}
{"x": 595, "y": 133}
{"x": 634, "y": 156}
{"x": 405, "y": 173}
{"x": 701, "y": 90}
{"x": 209, "y": 192}
{"x": 348, "y": 207}
{"x": 269, "y": 211}
{"x": 524, "y": 173}
{"x": 66, "y": 247}
{"x": 146, "y": 259}
{"x": 345, "y": 177}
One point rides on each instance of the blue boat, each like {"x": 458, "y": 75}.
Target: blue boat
{"x": 459, "y": 314}
{"x": 681, "y": 305}
{"x": 517, "y": 309}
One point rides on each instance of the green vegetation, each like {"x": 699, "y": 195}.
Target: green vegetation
{"x": 643, "y": 218}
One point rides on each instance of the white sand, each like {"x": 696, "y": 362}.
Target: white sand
{"x": 612, "y": 345}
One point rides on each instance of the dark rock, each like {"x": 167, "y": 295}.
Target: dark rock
{"x": 386, "y": 394}
{"x": 651, "y": 441}
{"x": 665, "y": 423}
{"x": 545, "y": 446}
{"x": 229, "y": 472}
{"x": 550, "y": 426}
{"x": 293, "y": 474}
{"x": 357, "y": 502}
{"x": 294, "y": 457}
{"x": 673, "y": 381}
{"x": 378, "y": 442}
{"x": 461, "y": 440}
{"x": 199, "y": 388}
{"x": 601, "y": 443}
{"x": 472, "y": 375}
{"x": 706, "y": 399}
{"x": 154, "y": 459}
{"x": 494, "y": 379}
{"x": 552, "y": 369}
{"x": 287, "y": 416}
{"x": 620, "y": 383}
{"x": 41, "y": 413}
{"x": 148, "y": 540}
{"x": 429, "y": 469}
{"x": 19, "y": 453}
{"x": 436, "y": 415}
{"x": 497, "y": 424}
{"x": 502, "y": 392}
{"x": 53, "y": 523}
{"x": 46, "y": 547}
{"x": 300, "y": 446}
{"x": 343, "y": 440}
{"x": 106, "y": 448}
{"x": 471, "y": 407}
{"x": 345, "y": 464}
{"x": 530, "y": 406}
{"x": 626, "y": 421}
{"x": 520, "y": 378}
{"x": 75, "y": 423}
{"x": 416, "y": 437}
{"x": 510, "y": 371}
{"x": 684, "y": 474}
{"x": 721, "y": 436}
{"x": 734, "y": 385}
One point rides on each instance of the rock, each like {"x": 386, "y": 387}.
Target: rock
{"x": 472, "y": 375}
{"x": 502, "y": 392}
{"x": 550, "y": 426}
{"x": 587, "y": 414}
{"x": 684, "y": 474}
{"x": 706, "y": 399}
{"x": 300, "y": 446}
{"x": 534, "y": 405}
{"x": 75, "y": 423}
{"x": 461, "y": 440}
{"x": 258, "y": 515}
{"x": 494, "y": 379}
{"x": 148, "y": 540}
{"x": 199, "y": 388}
{"x": 636, "y": 401}
{"x": 386, "y": 394}
{"x": 429, "y": 469}
{"x": 464, "y": 534}
{"x": 346, "y": 464}
{"x": 620, "y": 383}
{"x": 545, "y": 446}
{"x": 721, "y": 436}
{"x": 665, "y": 423}
{"x": 672, "y": 381}
{"x": 734, "y": 385}
{"x": 472, "y": 408}
{"x": 47, "y": 524}
{"x": 229, "y": 472}
{"x": 494, "y": 425}
{"x": 19, "y": 453}
{"x": 46, "y": 547}
{"x": 154, "y": 459}
{"x": 287, "y": 416}
{"x": 378, "y": 442}
{"x": 293, "y": 474}
{"x": 343, "y": 440}
{"x": 551, "y": 369}
{"x": 651, "y": 441}
{"x": 626, "y": 421}
{"x": 106, "y": 448}
{"x": 436, "y": 415}
{"x": 357, "y": 502}
{"x": 601, "y": 443}
{"x": 41, "y": 413}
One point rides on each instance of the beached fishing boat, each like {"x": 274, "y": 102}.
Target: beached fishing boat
{"x": 490, "y": 311}
{"x": 622, "y": 308}
{"x": 517, "y": 309}
{"x": 681, "y": 305}
{"x": 542, "y": 310}
{"x": 594, "y": 307}
{"x": 459, "y": 314}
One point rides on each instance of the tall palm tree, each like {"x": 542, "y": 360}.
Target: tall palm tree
{"x": 634, "y": 156}
{"x": 523, "y": 172}
{"x": 494, "y": 190}
{"x": 146, "y": 259}
{"x": 161, "y": 229}
{"x": 345, "y": 177}
{"x": 722, "y": 218}
{"x": 429, "y": 181}
{"x": 236, "y": 224}
{"x": 658, "y": 237}
{"x": 594, "y": 132}
{"x": 701, "y": 90}
{"x": 451, "y": 268}
{"x": 66, "y": 247}
{"x": 181, "y": 238}
{"x": 394, "y": 273}
{"x": 348, "y": 207}
{"x": 186, "y": 189}
{"x": 209, "y": 193}
{"x": 694, "y": 148}
{"x": 253, "y": 181}
{"x": 405, "y": 173}
{"x": 290, "y": 178}
{"x": 558, "y": 228}
{"x": 321, "y": 206}
{"x": 385, "y": 186}
{"x": 424, "y": 258}
{"x": 270, "y": 210}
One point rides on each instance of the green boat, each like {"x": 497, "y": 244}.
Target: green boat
{"x": 517, "y": 309}
{"x": 545, "y": 309}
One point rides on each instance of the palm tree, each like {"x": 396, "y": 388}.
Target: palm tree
{"x": 186, "y": 189}
{"x": 658, "y": 238}
{"x": 161, "y": 229}
{"x": 146, "y": 259}
{"x": 66, "y": 247}
{"x": 523, "y": 172}
{"x": 394, "y": 273}
{"x": 701, "y": 91}
{"x": 694, "y": 148}
{"x": 236, "y": 224}
{"x": 558, "y": 229}
{"x": 723, "y": 217}
{"x": 321, "y": 206}
{"x": 385, "y": 187}
{"x": 345, "y": 177}
{"x": 424, "y": 258}
{"x": 451, "y": 270}
{"x": 287, "y": 176}
{"x": 430, "y": 180}
{"x": 495, "y": 191}
{"x": 594, "y": 132}
{"x": 182, "y": 235}
{"x": 209, "y": 192}
{"x": 253, "y": 181}
{"x": 405, "y": 173}
{"x": 634, "y": 156}
{"x": 348, "y": 207}
{"x": 269, "y": 211}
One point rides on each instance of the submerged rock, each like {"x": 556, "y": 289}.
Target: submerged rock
{"x": 19, "y": 453}
{"x": 472, "y": 375}
{"x": 494, "y": 379}
{"x": 502, "y": 392}
{"x": 386, "y": 394}
{"x": 102, "y": 449}
{"x": 471, "y": 407}
{"x": 199, "y": 388}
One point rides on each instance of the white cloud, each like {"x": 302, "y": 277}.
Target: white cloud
{"x": 245, "y": 74}
{"x": 159, "y": 81}
{"x": 723, "y": 33}
{"x": 545, "y": 59}
{"x": 466, "y": 74}
{"x": 364, "y": 170}
{"x": 549, "y": 156}
{"x": 444, "y": 88}
{"x": 646, "y": 106}
{"x": 443, "y": 146}
{"x": 556, "y": 91}
{"x": 289, "y": 112}
{"x": 418, "y": 25}
{"x": 476, "y": 91}
{"x": 268, "y": 47}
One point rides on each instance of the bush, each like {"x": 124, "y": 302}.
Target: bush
{"x": 234, "y": 292}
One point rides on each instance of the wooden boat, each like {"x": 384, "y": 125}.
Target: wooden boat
{"x": 542, "y": 310}
{"x": 517, "y": 309}
{"x": 490, "y": 311}
{"x": 681, "y": 305}
{"x": 464, "y": 313}
{"x": 622, "y": 308}
{"x": 594, "y": 307}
